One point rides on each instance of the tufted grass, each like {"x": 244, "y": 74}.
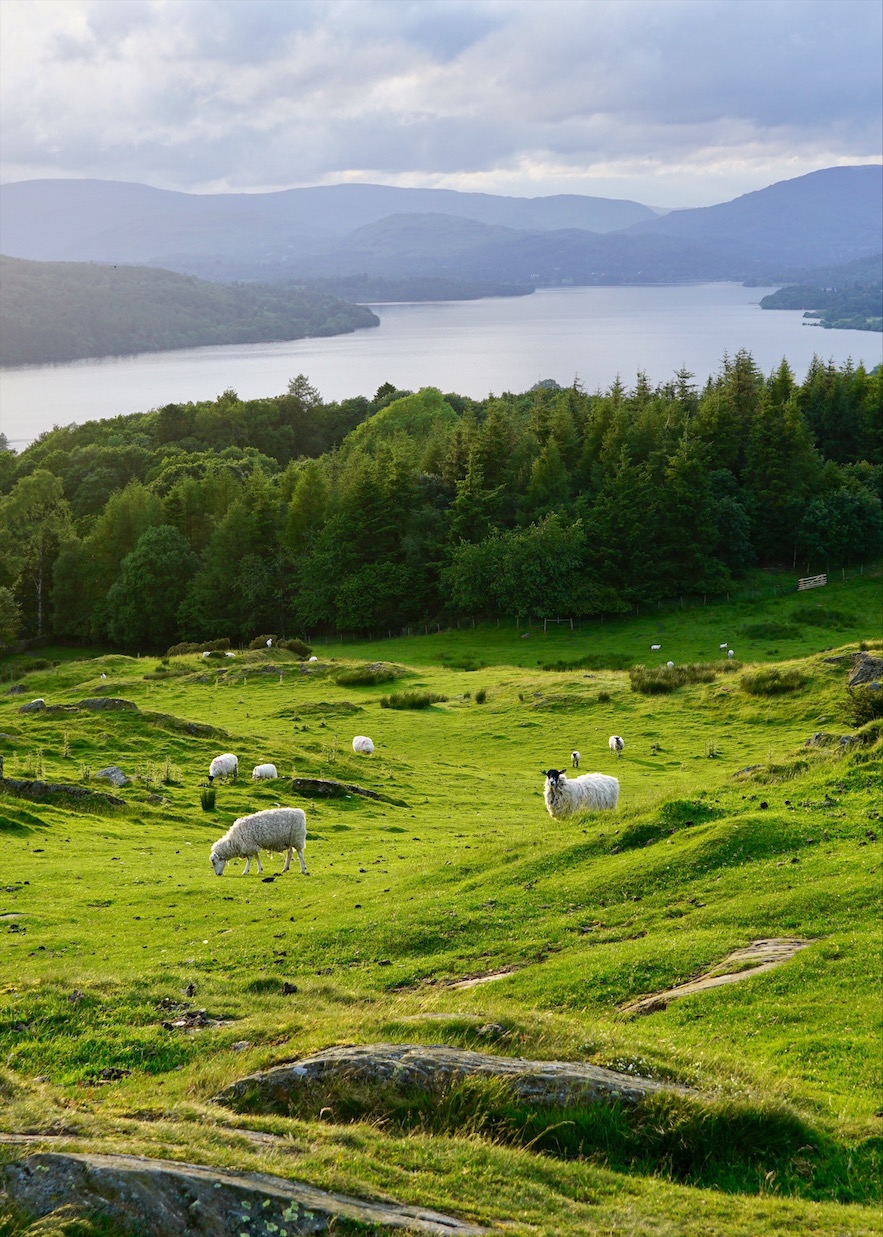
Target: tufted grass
{"x": 113, "y": 923}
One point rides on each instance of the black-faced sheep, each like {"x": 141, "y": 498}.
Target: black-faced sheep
{"x": 223, "y": 767}
{"x": 616, "y": 743}
{"x": 595, "y": 791}
{"x": 574, "y": 759}
{"x": 278, "y": 829}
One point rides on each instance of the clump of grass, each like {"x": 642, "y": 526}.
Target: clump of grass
{"x": 659, "y": 680}
{"x": 191, "y": 646}
{"x": 481, "y": 695}
{"x": 298, "y": 647}
{"x": 603, "y": 697}
{"x": 411, "y": 700}
{"x": 770, "y": 631}
{"x": 863, "y": 705}
{"x": 366, "y": 676}
{"x": 592, "y": 661}
{"x": 66, "y": 749}
{"x": 824, "y": 618}
{"x": 771, "y": 681}
{"x": 207, "y": 797}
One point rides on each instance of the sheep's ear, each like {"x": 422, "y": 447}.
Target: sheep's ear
{"x": 560, "y": 771}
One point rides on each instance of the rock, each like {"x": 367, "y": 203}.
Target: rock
{"x": 114, "y": 775}
{"x": 57, "y": 790}
{"x": 35, "y": 706}
{"x": 98, "y": 703}
{"x": 17, "y": 689}
{"x": 867, "y": 671}
{"x": 431, "y": 1068}
{"x": 163, "y": 1198}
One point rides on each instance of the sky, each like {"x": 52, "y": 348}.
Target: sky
{"x": 671, "y": 103}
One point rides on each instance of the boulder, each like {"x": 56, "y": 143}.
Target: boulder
{"x": 33, "y": 706}
{"x": 114, "y": 775}
{"x": 867, "y": 672}
{"x": 164, "y": 1198}
{"x": 106, "y": 702}
{"x": 430, "y": 1068}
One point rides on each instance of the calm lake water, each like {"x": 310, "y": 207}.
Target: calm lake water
{"x": 472, "y": 347}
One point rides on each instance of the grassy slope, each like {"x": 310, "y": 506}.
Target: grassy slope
{"x": 471, "y": 876}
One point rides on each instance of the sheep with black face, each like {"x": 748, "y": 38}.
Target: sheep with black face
{"x": 592, "y": 791}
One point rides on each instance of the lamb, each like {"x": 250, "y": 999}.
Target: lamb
{"x": 363, "y": 745}
{"x": 223, "y": 767}
{"x": 263, "y": 773}
{"x": 574, "y": 759}
{"x": 278, "y": 828}
{"x": 654, "y": 648}
{"x": 616, "y": 744}
{"x": 595, "y": 791}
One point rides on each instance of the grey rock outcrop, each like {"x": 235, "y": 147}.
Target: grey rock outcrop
{"x": 99, "y": 703}
{"x": 867, "y": 672}
{"x": 114, "y": 775}
{"x": 33, "y": 706}
{"x": 162, "y": 1198}
{"x": 429, "y": 1068}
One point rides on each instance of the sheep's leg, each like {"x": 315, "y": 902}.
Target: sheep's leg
{"x": 258, "y": 861}
{"x": 287, "y": 860}
{"x": 303, "y": 866}
{"x": 247, "y": 865}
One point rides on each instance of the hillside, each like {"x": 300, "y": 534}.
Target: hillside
{"x": 444, "y": 907}
{"x": 61, "y": 311}
{"x": 347, "y": 231}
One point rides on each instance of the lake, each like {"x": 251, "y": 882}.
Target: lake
{"x": 472, "y": 347}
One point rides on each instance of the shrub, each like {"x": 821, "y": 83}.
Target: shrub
{"x": 603, "y": 697}
{"x": 260, "y": 642}
{"x": 863, "y": 704}
{"x": 366, "y": 676}
{"x": 297, "y": 647}
{"x": 824, "y": 618}
{"x": 207, "y": 798}
{"x": 410, "y": 700}
{"x": 481, "y": 695}
{"x": 770, "y": 681}
{"x": 191, "y": 646}
{"x": 659, "y": 680}
{"x": 770, "y": 631}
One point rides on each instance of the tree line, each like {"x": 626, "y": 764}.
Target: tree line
{"x": 297, "y": 516}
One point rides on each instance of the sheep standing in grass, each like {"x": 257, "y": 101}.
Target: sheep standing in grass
{"x": 263, "y": 773}
{"x": 363, "y": 745}
{"x": 574, "y": 759}
{"x": 223, "y": 767}
{"x": 594, "y": 791}
{"x": 278, "y": 828}
{"x": 616, "y": 743}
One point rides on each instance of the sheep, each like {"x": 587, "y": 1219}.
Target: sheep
{"x": 223, "y": 767}
{"x": 363, "y": 745}
{"x": 574, "y": 759}
{"x": 229, "y": 653}
{"x": 270, "y": 643}
{"x": 278, "y": 828}
{"x": 724, "y": 645}
{"x": 263, "y": 773}
{"x": 730, "y": 653}
{"x": 595, "y": 791}
{"x": 205, "y": 655}
{"x": 616, "y": 744}
{"x": 654, "y": 648}
{"x": 313, "y": 658}
{"x": 670, "y": 665}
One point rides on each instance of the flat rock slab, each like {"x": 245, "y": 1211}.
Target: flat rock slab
{"x": 162, "y": 1198}
{"x": 52, "y": 790}
{"x": 741, "y": 964}
{"x": 327, "y": 788}
{"x": 409, "y": 1067}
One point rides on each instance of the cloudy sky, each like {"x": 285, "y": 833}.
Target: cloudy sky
{"x": 669, "y": 102}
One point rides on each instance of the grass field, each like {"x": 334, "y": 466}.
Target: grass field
{"x": 729, "y": 829}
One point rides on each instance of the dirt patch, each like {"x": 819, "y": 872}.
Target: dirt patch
{"x": 759, "y": 956}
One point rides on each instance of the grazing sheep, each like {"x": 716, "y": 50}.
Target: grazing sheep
{"x": 724, "y": 645}
{"x": 654, "y": 648}
{"x": 263, "y": 773}
{"x": 670, "y": 665}
{"x": 205, "y": 655}
{"x": 574, "y": 759}
{"x": 313, "y": 658}
{"x": 229, "y": 653}
{"x": 278, "y": 828}
{"x": 363, "y": 745}
{"x": 270, "y": 643}
{"x": 616, "y": 744}
{"x": 223, "y": 767}
{"x": 730, "y": 653}
{"x": 595, "y": 791}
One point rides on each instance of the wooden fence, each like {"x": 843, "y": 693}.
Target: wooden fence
{"x": 811, "y": 582}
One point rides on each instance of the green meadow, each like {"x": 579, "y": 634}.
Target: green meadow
{"x": 730, "y": 829}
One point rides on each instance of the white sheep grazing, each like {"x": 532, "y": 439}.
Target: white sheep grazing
{"x": 206, "y": 655}
{"x": 223, "y": 767}
{"x": 574, "y": 759}
{"x": 313, "y": 658}
{"x": 670, "y": 665}
{"x": 263, "y": 773}
{"x": 724, "y": 645}
{"x": 654, "y": 648}
{"x": 270, "y": 643}
{"x": 730, "y": 653}
{"x": 616, "y": 744}
{"x": 363, "y": 745}
{"x": 278, "y": 828}
{"x": 229, "y": 653}
{"x": 595, "y": 791}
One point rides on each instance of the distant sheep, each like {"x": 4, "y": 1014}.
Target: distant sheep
{"x": 616, "y": 743}
{"x": 363, "y": 745}
{"x": 574, "y": 760}
{"x": 594, "y": 791}
{"x": 270, "y": 643}
{"x": 724, "y": 645}
{"x": 670, "y": 665}
{"x": 282, "y": 829}
{"x": 229, "y": 653}
{"x": 730, "y": 653}
{"x": 654, "y": 648}
{"x": 263, "y": 773}
{"x": 223, "y": 767}
{"x": 313, "y": 658}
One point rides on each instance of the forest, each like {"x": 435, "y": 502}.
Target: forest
{"x": 856, "y": 308}
{"x": 295, "y": 516}
{"x": 63, "y": 311}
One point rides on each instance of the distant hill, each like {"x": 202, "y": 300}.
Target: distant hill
{"x": 61, "y": 311}
{"x": 350, "y": 232}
